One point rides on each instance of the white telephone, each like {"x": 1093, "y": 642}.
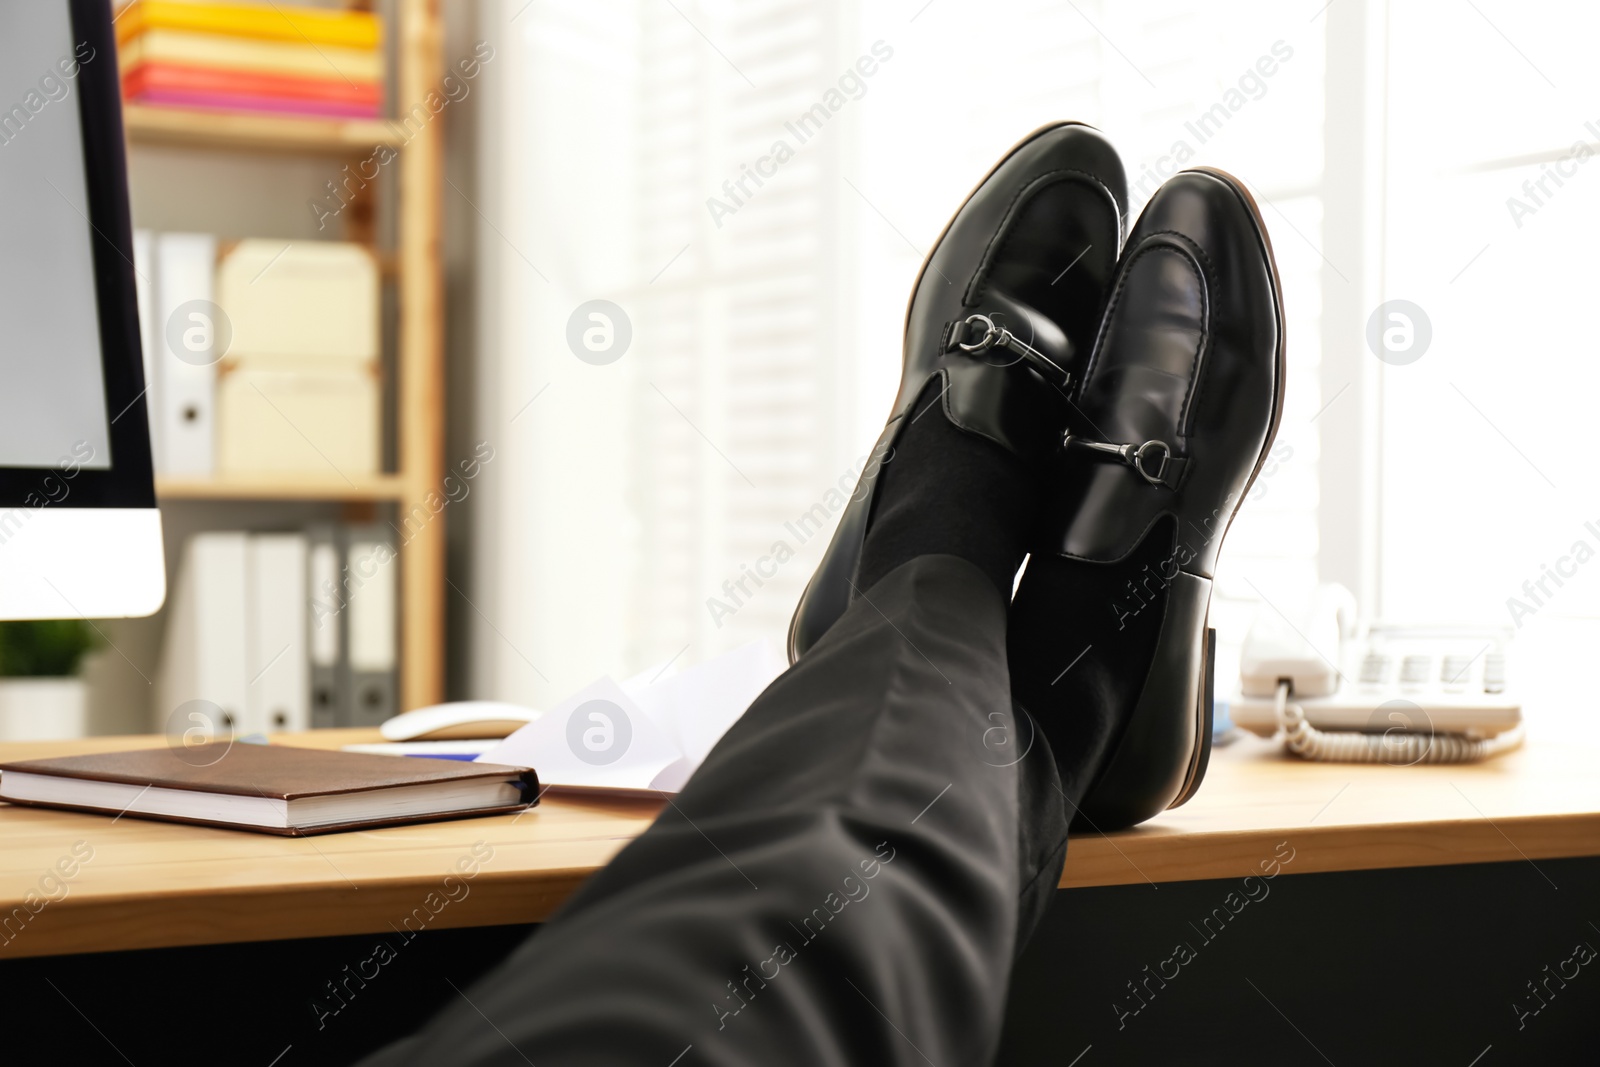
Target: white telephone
{"x": 1338, "y": 690}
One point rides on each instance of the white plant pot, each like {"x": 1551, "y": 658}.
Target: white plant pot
{"x": 43, "y": 709}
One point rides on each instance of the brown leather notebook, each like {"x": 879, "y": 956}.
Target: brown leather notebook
{"x": 275, "y": 789}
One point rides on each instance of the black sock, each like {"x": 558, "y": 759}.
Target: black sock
{"x": 946, "y": 491}
{"x": 1080, "y": 641}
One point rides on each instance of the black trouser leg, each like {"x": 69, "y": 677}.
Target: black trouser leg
{"x": 844, "y": 881}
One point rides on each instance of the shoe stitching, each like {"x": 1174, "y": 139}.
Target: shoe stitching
{"x": 1038, "y": 184}
{"x": 1122, "y": 283}
{"x": 1187, "y": 250}
{"x": 938, "y": 242}
{"x": 1208, "y": 274}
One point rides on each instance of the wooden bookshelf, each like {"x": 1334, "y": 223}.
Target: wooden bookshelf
{"x": 255, "y": 133}
{"x": 376, "y": 487}
{"x": 415, "y": 43}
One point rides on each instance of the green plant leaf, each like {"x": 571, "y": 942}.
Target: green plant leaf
{"x": 52, "y": 648}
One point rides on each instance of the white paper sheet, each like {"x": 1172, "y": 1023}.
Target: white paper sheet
{"x": 642, "y": 736}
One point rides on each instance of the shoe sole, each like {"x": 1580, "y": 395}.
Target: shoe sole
{"x": 1205, "y": 712}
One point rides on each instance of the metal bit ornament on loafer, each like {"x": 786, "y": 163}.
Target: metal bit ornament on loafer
{"x": 1153, "y": 460}
{"x": 976, "y": 335}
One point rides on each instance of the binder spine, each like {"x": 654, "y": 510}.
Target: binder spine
{"x": 325, "y": 626}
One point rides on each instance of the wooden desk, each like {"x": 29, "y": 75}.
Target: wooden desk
{"x": 152, "y": 884}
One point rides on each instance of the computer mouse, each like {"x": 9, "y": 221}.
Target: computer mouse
{"x": 458, "y": 720}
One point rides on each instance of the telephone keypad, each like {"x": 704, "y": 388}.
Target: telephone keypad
{"x": 1415, "y": 670}
{"x": 1494, "y": 673}
{"x": 1456, "y": 672}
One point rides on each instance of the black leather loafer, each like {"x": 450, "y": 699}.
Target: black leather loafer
{"x": 1175, "y": 411}
{"x": 1008, "y": 296}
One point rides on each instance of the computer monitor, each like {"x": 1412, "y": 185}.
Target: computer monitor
{"x": 80, "y": 536}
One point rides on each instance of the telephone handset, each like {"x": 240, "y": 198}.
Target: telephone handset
{"x": 1340, "y": 690}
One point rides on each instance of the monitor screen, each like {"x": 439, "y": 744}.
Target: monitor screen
{"x": 80, "y": 533}
{"x": 53, "y": 406}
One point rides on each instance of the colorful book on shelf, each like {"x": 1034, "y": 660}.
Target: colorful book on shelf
{"x": 148, "y": 78}
{"x": 299, "y": 59}
{"x": 269, "y": 105}
{"x": 350, "y": 29}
